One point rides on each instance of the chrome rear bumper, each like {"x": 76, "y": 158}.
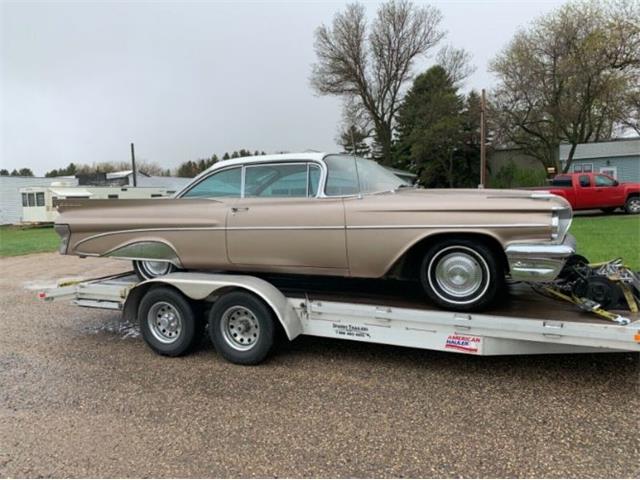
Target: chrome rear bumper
{"x": 539, "y": 262}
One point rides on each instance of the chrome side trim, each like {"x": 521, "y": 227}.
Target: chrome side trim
{"x": 144, "y": 230}
{"x": 498, "y": 225}
{"x": 309, "y": 227}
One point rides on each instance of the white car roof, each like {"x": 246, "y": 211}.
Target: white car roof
{"x": 317, "y": 156}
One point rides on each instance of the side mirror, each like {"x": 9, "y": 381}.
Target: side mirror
{"x": 616, "y": 183}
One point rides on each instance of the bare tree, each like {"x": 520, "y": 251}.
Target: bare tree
{"x": 370, "y": 65}
{"x": 568, "y": 77}
{"x": 456, "y": 62}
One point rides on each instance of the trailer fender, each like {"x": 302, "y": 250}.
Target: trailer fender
{"x": 202, "y": 286}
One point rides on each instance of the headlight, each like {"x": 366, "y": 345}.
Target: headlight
{"x": 64, "y": 233}
{"x": 560, "y": 222}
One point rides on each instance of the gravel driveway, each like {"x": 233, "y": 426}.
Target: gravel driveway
{"x": 82, "y": 396}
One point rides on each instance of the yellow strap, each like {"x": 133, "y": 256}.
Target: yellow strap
{"x": 628, "y": 295}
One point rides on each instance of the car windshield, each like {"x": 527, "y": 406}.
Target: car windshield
{"x": 348, "y": 175}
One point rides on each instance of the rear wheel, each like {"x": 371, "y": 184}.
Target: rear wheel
{"x": 241, "y": 328}
{"x": 167, "y": 322}
{"x": 461, "y": 274}
{"x": 632, "y": 205}
{"x": 148, "y": 269}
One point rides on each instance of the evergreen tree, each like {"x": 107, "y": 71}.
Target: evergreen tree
{"x": 4, "y": 171}
{"x": 436, "y": 132}
{"x": 353, "y": 141}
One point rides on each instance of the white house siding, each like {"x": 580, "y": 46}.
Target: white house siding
{"x": 623, "y": 154}
{"x": 10, "y": 199}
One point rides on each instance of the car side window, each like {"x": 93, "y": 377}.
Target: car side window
{"x": 342, "y": 176}
{"x": 276, "y": 180}
{"x": 604, "y": 181}
{"x": 584, "y": 181}
{"x": 227, "y": 183}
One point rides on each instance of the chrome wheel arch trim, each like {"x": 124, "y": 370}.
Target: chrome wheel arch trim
{"x": 146, "y": 250}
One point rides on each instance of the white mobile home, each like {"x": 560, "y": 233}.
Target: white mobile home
{"x": 38, "y": 203}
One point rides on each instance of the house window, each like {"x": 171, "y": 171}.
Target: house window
{"x": 40, "y": 199}
{"x": 24, "y": 200}
{"x": 583, "y": 168}
{"x": 32, "y": 199}
{"x": 611, "y": 171}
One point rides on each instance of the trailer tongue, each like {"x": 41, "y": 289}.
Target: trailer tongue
{"x": 245, "y": 310}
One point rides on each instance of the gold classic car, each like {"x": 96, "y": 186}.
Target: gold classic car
{"x": 328, "y": 214}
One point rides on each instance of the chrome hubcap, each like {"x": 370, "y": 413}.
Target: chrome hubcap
{"x": 156, "y": 269}
{"x": 240, "y": 328}
{"x": 165, "y": 322}
{"x": 459, "y": 274}
{"x": 634, "y": 205}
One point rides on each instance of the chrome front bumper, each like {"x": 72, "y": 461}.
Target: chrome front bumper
{"x": 539, "y": 262}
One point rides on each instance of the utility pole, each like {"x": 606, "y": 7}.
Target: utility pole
{"x": 483, "y": 153}
{"x": 133, "y": 165}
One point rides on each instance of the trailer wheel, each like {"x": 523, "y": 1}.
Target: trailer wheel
{"x": 147, "y": 269}
{"x": 167, "y": 322}
{"x": 241, "y": 328}
{"x": 461, "y": 274}
{"x": 632, "y": 205}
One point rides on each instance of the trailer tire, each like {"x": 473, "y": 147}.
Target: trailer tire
{"x": 461, "y": 275}
{"x": 168, "y": 323}
{"x": 242, "y": 328}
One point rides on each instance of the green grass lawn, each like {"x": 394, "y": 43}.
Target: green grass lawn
{"x": 20, "y": 241}
{"x": 600, "y": 238}
{"x": 605, "y": 237}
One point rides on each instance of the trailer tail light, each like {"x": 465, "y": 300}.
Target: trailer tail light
{"x": 637, "y": 337}
{"x": 64, "y": 233}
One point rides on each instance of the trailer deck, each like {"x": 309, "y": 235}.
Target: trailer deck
{"x": 392, "y": 312}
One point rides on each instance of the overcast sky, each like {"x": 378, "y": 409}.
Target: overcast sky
{"x": 81, "y": 80}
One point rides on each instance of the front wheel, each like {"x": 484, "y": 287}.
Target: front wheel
{"x": 148, "y": 269}
{"x": 462, "y": 275}
{"x": 241, "y": 328}
{"x": 632, "y": 205}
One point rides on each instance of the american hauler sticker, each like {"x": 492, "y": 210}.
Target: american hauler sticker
{"x": 463, "y": 343}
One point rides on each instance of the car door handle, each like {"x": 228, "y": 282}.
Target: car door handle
{"x": 239, "y": 209}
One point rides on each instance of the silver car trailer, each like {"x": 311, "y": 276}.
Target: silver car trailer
{"x": 244, "y": 312}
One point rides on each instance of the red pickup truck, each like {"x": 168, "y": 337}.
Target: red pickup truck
{"x": 590, "y": 191}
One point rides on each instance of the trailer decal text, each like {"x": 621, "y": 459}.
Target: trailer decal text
{"x": 463, "y": 343}
{"x": 351, "y": 330}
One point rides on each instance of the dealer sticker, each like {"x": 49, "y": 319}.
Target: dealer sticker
{"x": 463, "y": 343}
{"x": 351, "y": 330}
